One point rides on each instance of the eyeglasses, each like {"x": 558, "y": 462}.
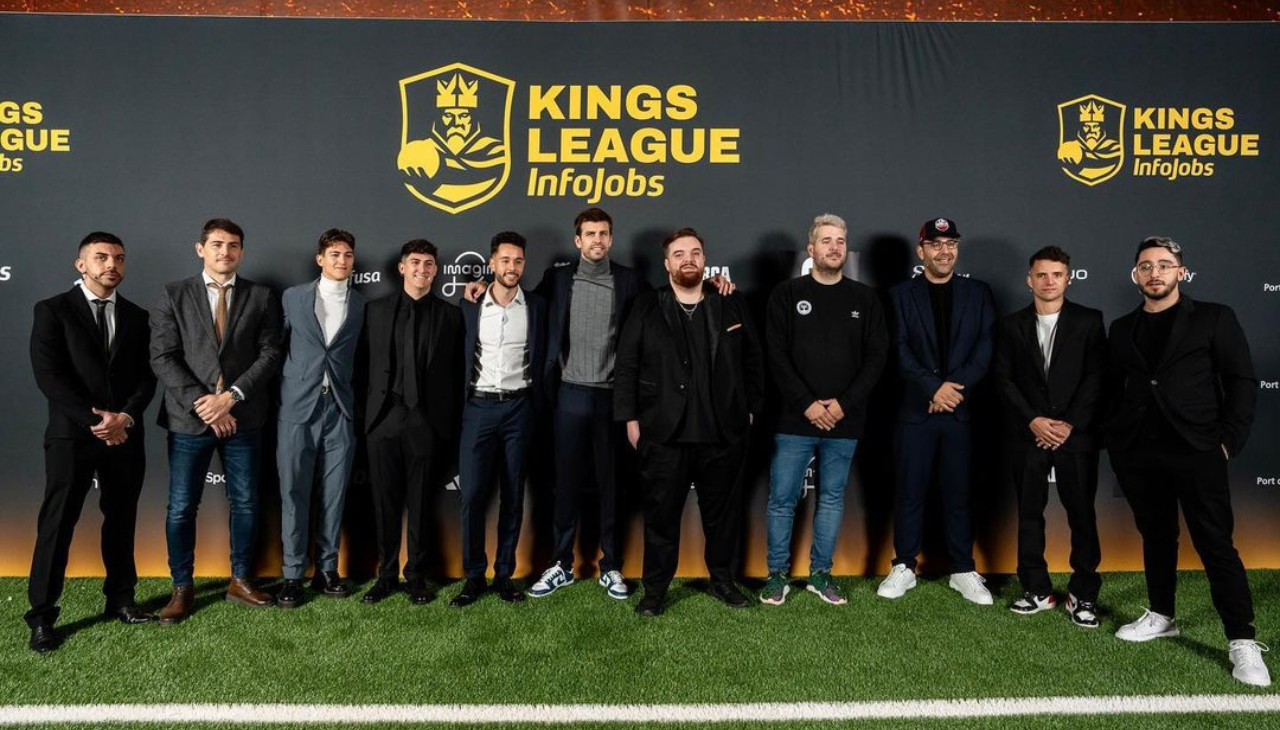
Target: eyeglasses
{"x": 939, "y": 245}
{"x": 1146, "y": 267}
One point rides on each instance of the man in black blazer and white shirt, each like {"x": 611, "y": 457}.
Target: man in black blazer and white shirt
{"x": 1184, "y": 392}
{"x": 89, "y": 354}
{"x": 1051, "y": 359}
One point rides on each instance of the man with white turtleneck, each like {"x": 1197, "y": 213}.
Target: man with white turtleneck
{"x": 322, "y": 322}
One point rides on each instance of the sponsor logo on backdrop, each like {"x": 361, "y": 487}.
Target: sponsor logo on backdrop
{"x": 1187, "y": 275}
{"x": 1166, "y": 142}
{"x": 455, "y": 150}
{"x": 583, "y": 141}
{"x": 1265, "y": 286}
{"x": 1269, "y": 384}
{"x": 469, "y": 266}
{"x": 23, "y": 135}
{"x": 366, "y": 277}
{"x": 6, "y": 273}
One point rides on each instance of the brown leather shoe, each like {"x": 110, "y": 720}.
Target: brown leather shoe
{"x": 179, "y": 607}
{"x": 241, "y": 591}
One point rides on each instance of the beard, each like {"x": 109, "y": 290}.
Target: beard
{"x": 687, "y": 278}
{"x": 1157, "y": 296}
{"x": 826, "y": 269}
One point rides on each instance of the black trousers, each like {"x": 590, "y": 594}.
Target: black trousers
{"x": 940, "y": 445}
{"x": 70, "y": 465}
{"x": 667, "y": 471}
{"x": 1156, "y": 480}
{"x": 585, "y": 439}
{"x": 406, "y": 458}
{"x": 1077, "y": 477}
{"x": 493, "y": 433}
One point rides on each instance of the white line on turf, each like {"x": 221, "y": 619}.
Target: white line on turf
{"x": 697, "y": 713}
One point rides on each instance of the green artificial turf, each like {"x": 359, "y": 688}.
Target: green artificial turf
{"x": 578, "y": 646}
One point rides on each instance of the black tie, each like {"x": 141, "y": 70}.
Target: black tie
{"x": 104, "y": 334}
{"x": 410, "y": 358}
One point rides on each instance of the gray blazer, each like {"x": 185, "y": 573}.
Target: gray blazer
{"x": 308, "y": 358}
{"x": 187, "y": 359}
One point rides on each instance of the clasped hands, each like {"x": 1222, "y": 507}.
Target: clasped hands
{"x": 215, "y": 411}
{"x": 1050, "y": 433}
{"x": 947, "y": 398}
{"x": 824, "y": 414}
{"x": 112, "y": 427}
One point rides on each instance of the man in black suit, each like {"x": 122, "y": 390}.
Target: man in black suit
{"x": 1051, "y": 360}
{"x": 215, "y": 344}
{"x": 1183, "y": 394}
{"x": 89, "y": 351}
{"x": 504, "y": 348}
{"x": 689, "y": 381}
{"x": 411, "y": 358}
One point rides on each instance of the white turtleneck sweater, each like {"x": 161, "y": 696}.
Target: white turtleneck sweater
{"x": 331, "y": 310}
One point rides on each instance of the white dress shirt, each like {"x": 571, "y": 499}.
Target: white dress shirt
{"x": 213, "y": 304}
{"x": 110, "y": 311}
{"x": 504, "y": 336}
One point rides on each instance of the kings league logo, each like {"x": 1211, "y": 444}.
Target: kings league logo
{"x": 1091, "y": 138}
{"x": 455, "y": 140}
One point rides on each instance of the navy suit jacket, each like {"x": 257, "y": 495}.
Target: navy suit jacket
{"x": 536, "y": 343}
{"x": 308, "y": 357}
{"x": 973, "y": 317}
{"x": 557, "y": 288}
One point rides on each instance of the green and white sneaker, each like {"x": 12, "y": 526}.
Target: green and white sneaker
{"x": 775, "y": 590}
{"x": 824, "y": 585}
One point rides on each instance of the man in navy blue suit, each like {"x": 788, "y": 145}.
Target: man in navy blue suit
{"x": 943, "y": 339}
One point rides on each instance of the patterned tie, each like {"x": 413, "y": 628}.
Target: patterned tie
{"x": 220, "y": 319}
{"x": 104, "y": 333}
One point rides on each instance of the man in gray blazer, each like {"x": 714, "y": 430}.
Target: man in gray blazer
{"x": 215, "y": 345}
{"x": 322, "y": 323}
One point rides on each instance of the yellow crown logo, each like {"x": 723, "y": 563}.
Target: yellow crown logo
{"x": 457, "y": 93}
{"x": 1091, "y": 112}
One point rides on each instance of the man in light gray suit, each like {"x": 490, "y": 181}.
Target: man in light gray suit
{"x": 322, "y": 322}
{"x": 215, "y": 345}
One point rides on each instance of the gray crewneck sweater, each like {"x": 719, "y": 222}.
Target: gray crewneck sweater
{"x": 588, "y": 358}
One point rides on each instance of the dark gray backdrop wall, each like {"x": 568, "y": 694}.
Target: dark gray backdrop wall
{"x": 149, "y": 126}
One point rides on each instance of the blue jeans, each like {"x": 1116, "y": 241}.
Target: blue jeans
{"x": 786, "y": 480}
{"x": 189, "y": 458}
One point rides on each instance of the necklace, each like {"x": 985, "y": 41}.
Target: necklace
{"x": 689, "y": 311}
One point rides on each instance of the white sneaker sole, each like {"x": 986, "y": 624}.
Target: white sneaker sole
{"x": 982, "y": 599}
{"x": 892, "y": 594}
{"x": 785, "y": 591}
{"x": 615, "y": 596}
{"x": 1148, "y": 637}
{"x": 825, "y": 600}
{"x": 1033, "y": 611}
{"x": 1258, "y": 681}
{"x": 531, "y": 593}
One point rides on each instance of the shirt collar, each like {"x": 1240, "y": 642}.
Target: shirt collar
{"x": 489, "y": 301}
{"x": 209, "y": 279}
{"x": 91, "y": 296}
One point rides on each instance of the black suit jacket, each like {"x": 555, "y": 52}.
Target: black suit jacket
{"x": 652, "y": 369}
{"x": 1072, "y": 392}
{"x": 76, "y": 376}
{"x": 1203, "y": 383}
{"x": 439, "y": 359}
{"x": 536, "y": 343}
{"x": 557, "y": 288}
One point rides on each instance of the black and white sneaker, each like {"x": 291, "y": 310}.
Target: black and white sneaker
{"x": 1083, "y": 613}
{"x": 1031, "y": 603}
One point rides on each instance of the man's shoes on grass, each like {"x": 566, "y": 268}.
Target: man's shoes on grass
{"x": 728, "y": 594}
{"x": 179, "y": 607}
{"x": 380, "y": 591}
{"x": 420, "y": 592}
{"x": 825, "y": 587}
{"x": 614, "y": 585}
{"x": 329, "y": 584}
{"x": 1150, "y": 625}
{"x": 1031, "y": 603}
{"x": 1246, "y": 662}
{"x": 553, "y": 579}
{"x": 650, "y": 606}
{"x": 44, "y": 639}
{"x": 900, "y": 580}
{"x": 290, "y": 595}
{"x": 1083, "y": 613}
{"x": 970, "y": 585}
{"x": 243, "y": 592}
{"x": 471, "y": 592}
{"x": 129, "y": 615}
{"x": 775, "y": 589}
{"x": 507, "y": 590}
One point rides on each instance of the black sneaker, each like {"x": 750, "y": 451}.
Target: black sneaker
{"x": 1083, "y": 613}
{"x": 290, "y": 595}
{"x": 1031, "y": 603}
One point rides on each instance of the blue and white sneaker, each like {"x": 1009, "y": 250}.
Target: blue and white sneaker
{"x": 553, "y": 579}
{"x": 615, "y": 585}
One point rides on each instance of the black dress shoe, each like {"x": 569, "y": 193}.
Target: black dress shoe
{"x": 43, "y": 639}
{"x": 650, "y": 606}
{"x": 507, "y": 590}
{"x": 470, "y": 593}
{"x": 130, "y": 614}
{"x": 420, "y": 593}
{"x": 729, "y": 594}
{"x": 290, "y": 595}
{"x": 380, "y": 590}
{"x": 330, "y": 584}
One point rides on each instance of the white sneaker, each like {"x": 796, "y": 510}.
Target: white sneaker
{"x": 1150, "y": 625}
{"x": 1030, "y": 603}
{"x": 552, "y": 579}
{"x": 970, "y": 585}
{"x": 1246, "y": 662}
{"x": 901, "y": 579}
{"x": 615, "y": 585}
